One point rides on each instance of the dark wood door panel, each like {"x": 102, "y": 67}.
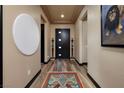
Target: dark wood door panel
{"x": 62, "y": 43}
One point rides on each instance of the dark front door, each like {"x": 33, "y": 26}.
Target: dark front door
{"x": 42, "y": 43}
{"x": 63, "y": 43}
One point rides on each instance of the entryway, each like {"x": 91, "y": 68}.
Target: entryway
{"x": 63, "y": 43}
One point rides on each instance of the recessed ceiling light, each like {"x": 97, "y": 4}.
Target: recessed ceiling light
{"x": 62, "y": 15}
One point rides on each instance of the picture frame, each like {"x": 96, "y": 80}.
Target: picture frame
{"x": 112, "y": 25}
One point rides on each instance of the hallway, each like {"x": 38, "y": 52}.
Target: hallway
{"x": 64, "y": 67}
{"x": 62, "y": 46}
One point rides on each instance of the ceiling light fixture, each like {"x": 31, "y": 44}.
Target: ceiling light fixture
{"x": 62, "y": 15}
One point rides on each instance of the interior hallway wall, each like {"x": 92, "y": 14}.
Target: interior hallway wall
{"x": 18, "y": 69}
{"x": 54, "y": 26}
{"x": 105, "y": 64}
{"x": 47, "y": 41}
{"x": 84, "y": 42}
{"x": 79, "y": 42}
{"x": 47, "y": 34}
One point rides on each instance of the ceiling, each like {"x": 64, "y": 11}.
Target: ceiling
{"x": 53, "y": 13}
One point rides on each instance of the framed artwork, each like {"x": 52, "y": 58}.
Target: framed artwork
{"x": 112, "y": 25}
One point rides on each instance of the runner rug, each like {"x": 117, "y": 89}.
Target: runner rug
{"x": 62, "y": 80}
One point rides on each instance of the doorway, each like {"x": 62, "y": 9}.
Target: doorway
{"x": 63, "y": 43}
{"x": 42, "y": 43}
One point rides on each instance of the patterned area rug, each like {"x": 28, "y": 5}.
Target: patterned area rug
{"x": 62, "y": 80}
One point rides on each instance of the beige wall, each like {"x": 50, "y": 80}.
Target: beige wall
{"x": 79, "y": 35}
{"x": 54, "y": 26}
{"x": 15, "y": 65}
{"x": 105, "y": 65}
{"x": 47, "y": 41}
{"x": 47, "y": 36}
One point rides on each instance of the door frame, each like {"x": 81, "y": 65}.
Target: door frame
{"x": 1, "y": 45}
{"x": 69, "y": 40}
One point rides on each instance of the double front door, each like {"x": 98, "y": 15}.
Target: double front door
{"x": 63, "y": 43}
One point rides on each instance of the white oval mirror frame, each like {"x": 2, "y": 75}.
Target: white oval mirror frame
{"x": 26, "y": 34}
